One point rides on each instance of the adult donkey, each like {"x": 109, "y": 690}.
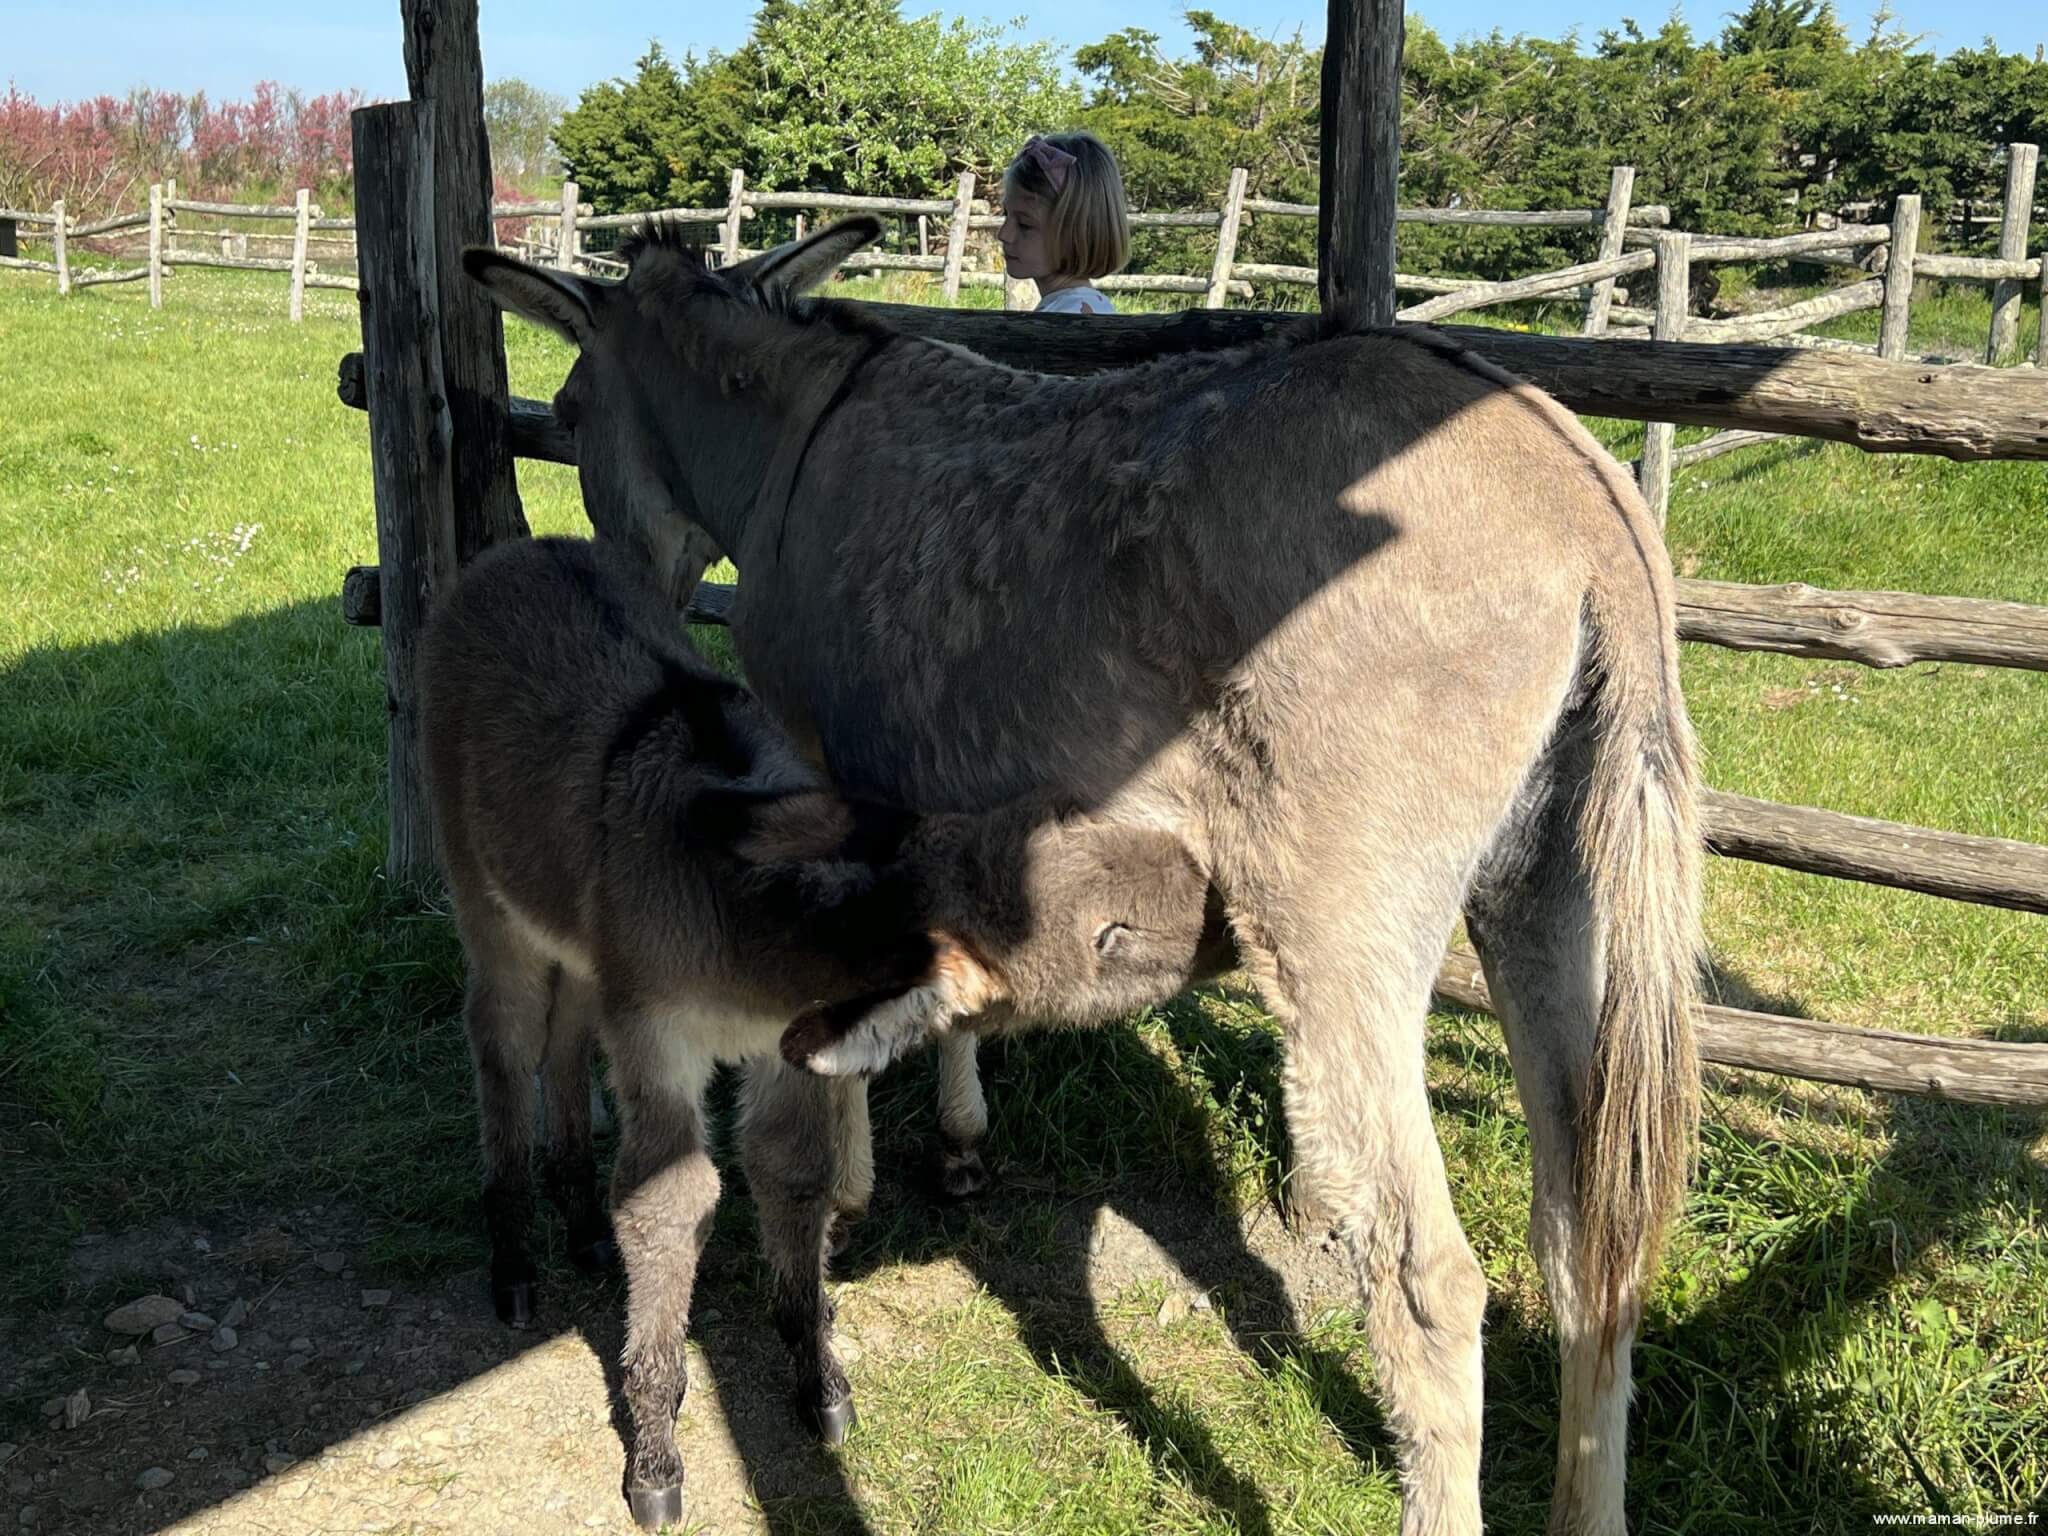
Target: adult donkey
{"x": 1380, "y": 632}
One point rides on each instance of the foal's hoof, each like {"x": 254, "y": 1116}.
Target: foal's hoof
{"x": 515, "y": 1302}
{"x": 655, "y": 1507}
{"x": 834, "y": 1421}
{"x": 596, "y": 1256}
{"x": 959, "y": 1173}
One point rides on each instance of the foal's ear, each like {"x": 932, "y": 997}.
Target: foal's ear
{"x": 797, "y": 268}
{"x": 561, "y": 301}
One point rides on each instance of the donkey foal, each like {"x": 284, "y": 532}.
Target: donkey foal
{"x": 637, "y": 857}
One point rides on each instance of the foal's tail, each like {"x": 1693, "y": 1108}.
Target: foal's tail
{"x": 1639, "y": 1115}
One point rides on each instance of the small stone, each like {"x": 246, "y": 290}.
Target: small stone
{"x": 197, "y": 1453}
{"x": 153, "y": 1478}
{"x": 169, "y": 1333}
{"x": 848, "y": 1350}
{"x": 143, "y": 1314}
{"x": 296, "y": 1362}
{"x": 182, "y": 1378}
{"x": 236, "y": 1312}
{"x": 1172, "y": 1310}
{"x": 301, "y": 1345}
{"x": 386, "y": 1460}
{"x": 225, "y": 1338}
{"x": 77, "y": 1409}
{"x": 353, "y": 1368}
{"x": 190, "y": 1296}
{"x": 28, "y": 1515}
{"x": 279, "y": 1462}
{"x": 333, "y": 1263}
{"x": 53, "y": 1407}
{"x": 1203, "y": 1302}
{"x": 376, "y": 1298}
{"x": 198, "y": 1322}
{"x": 127, "y": 1354}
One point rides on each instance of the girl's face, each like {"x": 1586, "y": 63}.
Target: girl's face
{"x": 1023, "y": 238}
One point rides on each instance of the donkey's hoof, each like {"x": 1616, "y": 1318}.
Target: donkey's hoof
{"x": 596, "y": 1256}
{"x": 834, "y": 1421}
{"x": 515, "y": 1302}
{"x": 655, "y": 1507}
{"x": 959, "y": 1173}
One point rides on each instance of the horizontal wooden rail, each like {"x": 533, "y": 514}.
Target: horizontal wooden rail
{"x": 109, "y": 226}
{"x": 348, "y": 223}
{"x": 1479, "y": 295}
{"x": 1963, "y": 413}
{"x": 28, "y": 264}
{"x": 24, "y": 216}
{"x": 1991, "y": 871}
{"x": 1768, "y": 324}
{"x": 664, "y": 216}
{"x": 323, "y": 280}
{"x": 88, "y": 279}
{"x": 1720, "y": 443}
{"x": 230, "y": 263}
{"x": 232, "y": 210}
{"x": 1877, "y": 629}
{"x": 1730, "y": 248}
{"x": 1986, "y": 268}
{"x": 2005, "y": 1072}
{"x": 1513, "y": 218}
{"x": 849, "y": 202}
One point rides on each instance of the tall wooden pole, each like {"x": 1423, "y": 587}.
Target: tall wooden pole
{"x": 444, "y": 68}
{"x": 411, "y": 445}
{"x": 1361, "y": 133}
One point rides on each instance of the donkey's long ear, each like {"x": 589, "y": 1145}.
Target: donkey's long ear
{"x": 800, "y": 266}
{"x": 561, "y": 301}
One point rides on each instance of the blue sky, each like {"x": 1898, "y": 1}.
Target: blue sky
{"x": 63, "y": 51}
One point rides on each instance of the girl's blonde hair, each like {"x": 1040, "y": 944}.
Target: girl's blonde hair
{"x": 1088, "y": 230}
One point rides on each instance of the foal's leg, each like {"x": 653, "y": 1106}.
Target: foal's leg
{"x": 1541, "y": 941}
{"x": 1347, "y": 969}
{"x": 506, "y": 1013}
{"x": 569, "y": 1166}
{"x": 963, "y": 1119}
{"x": 790, "y": 1125}
{"x": 664, "y": 1190}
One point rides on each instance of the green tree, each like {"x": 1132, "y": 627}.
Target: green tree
{"x": 518, "y": 118}
{"x": 620, "y": 140}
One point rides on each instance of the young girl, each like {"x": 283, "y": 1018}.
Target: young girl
{"x": 1064, "y": 223}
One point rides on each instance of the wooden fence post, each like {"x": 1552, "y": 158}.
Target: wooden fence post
{"x": 1361, "y": 159}
{"x": 1226, "y": 241}
{"x": 924, "y": 235}
{"x": 956, "y": 233}
{"x": 731, "y": 249}
{"x": 1898, "y": 276}
{"x": 2021, "y": 162}
{"x": 412, "y": 455}
{"x": 565, "y": 239}
{"x": 1621, "y": 183}
{"x": 63, "y": 256}
{"x": 301, "y": 212}
{"x": 444, "y": 65}
{"x": 156, "y": 245}
{"x": 1674, "y": 281}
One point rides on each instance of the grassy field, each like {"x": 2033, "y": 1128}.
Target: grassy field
{"x": 210, "y": 999}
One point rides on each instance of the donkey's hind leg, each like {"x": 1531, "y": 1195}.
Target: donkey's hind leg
{"x": 957, "y": 1168}
{"x": 790, "y": 1127}
{"x": 1539, "y": 936}
{"x": 664, "y": 1192}
{"x": 506, "y": 1012}
{"x": 1346, "y": 966}
{"x": 570, "y": 1163}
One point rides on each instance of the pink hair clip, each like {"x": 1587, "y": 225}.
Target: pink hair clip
{"x": 1049, "y": 158}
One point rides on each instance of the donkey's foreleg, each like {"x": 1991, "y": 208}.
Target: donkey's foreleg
{"x": 1353, "y": 1002}
{"x": 853, "y": 1156}
{"x": 963, "y": 1120}
{"x": 664, "y": 1190}
{"x": 506, "y": 1013}
{"x": 570, "y": 1162}
{"x": 790, "y": 1127}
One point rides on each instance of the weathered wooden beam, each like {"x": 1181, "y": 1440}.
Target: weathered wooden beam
{"x": 1478, "y": 295}
{"x": 444, "y": 66}
{"x": 412, "y": 451}
{"x": 1621, "y": 182}
{"x": 2022, "y": 160}
{"x": 1963, "y": 412}
{"x": 1991, "y": 871}
{"x": 1720, "y": 443}
{"x": 1361, "y": 158}
{"x": 1963, "y": 1071}
{"x": 1898, "y": 278}
{"x": 1877, "y": 629}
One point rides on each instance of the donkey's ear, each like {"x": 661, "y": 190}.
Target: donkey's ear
{"x": 561, "y": 301}
{"x": 800, "y": 266}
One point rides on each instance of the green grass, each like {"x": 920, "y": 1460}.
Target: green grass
{"x": 211, "y": 999}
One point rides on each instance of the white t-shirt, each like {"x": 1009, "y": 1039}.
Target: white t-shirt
{"x": 1076, "y": 301}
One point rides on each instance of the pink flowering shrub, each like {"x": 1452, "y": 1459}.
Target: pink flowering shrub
{"x": 101, "y": 155}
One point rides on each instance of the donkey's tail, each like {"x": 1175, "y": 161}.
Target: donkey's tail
{"x": 1639, "y": 1114}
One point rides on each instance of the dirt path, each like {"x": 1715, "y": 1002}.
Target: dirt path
{"x": 349, "y": 1403}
